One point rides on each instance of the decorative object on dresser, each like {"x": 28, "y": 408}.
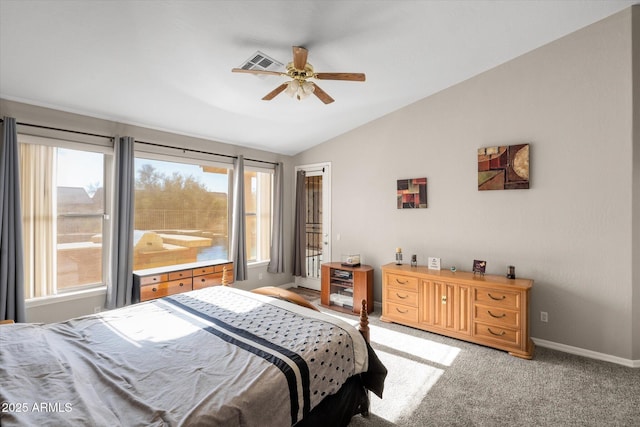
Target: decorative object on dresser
{"x": 398, "y": 256}
{"x": 352, "y": 260}
{"x": 479, "y": 266}
{"x": 342, "y": 286}
{"x": 488, "y": 310}
{"x": 159, "y": 282}
{"x": 434, "y": 263}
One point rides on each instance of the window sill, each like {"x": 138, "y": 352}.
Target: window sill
{"x": 258, "y": 264}
{"x": 69, "y": 296}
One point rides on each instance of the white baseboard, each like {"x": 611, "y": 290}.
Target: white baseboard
{"x": 587, "y": 353}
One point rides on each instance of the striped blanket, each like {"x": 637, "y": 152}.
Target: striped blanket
{"x": 217, "y": 357}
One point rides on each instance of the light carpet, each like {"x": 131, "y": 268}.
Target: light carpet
{"x": 439, "y": 381}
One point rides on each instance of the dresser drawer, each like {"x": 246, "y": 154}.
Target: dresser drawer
{"x": 159, "y": 290}
{"x": 403, "y": 282}
{"x": 220, "y": 267}
{"x": 496, "y": 316}
{"x": 400, "y": 296}
{"x": 497, "y": 298}
{"x": 156, "y": 278}
{"x": 497, "y": 333}
{"x": 207, "y": 280}
{"x": 401, "y": 313}
{"x": 203, "y": 270}
{"x": 182, "y": 274}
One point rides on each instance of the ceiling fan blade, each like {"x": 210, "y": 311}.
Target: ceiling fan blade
{"x": 272, "y": 73}
{"x": 324, "y": 96}
{"x": 356, "y": 77}
{"x": 299, "y": 57}
{"x": 275, "y": 92}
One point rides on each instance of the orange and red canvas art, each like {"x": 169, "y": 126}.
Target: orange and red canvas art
{"x": 412, "y": 193}
{"x": 503, "y": 167}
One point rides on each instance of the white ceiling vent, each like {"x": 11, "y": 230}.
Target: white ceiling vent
{"x": 260, "y": 61}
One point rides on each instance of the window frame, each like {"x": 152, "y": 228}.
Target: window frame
{"x": 265, "y": 258}
{"x": 85, "y": 143}
{"x": 166, "y": 154}
{"x": 170, "y": 154}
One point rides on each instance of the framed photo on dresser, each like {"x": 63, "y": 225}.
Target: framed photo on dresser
{"x": 479, "y": 266}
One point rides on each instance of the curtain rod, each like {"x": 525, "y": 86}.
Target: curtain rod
{"x": 140, "y": 142}
{"x": 62, "y": 130}
{"x": 203, "y": 152}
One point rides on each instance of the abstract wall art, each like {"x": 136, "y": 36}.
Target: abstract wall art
{"x": 503, "y": 167}
{"x": 412, "y": 193}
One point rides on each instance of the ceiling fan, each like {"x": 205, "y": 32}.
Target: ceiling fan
{"x": 300, "y": 71}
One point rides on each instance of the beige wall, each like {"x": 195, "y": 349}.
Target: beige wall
{"x": 47, "y": 117}
{"x": 570, "y": 232}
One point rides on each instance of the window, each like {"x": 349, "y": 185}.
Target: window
{"x": 257, "y": 203}
{"x": 182, "y": 212}
{"x": 64, "y": 213}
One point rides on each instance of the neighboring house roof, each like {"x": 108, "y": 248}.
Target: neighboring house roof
{"x": 73, "y": 196}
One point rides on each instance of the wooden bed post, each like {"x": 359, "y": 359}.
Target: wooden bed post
{"x": 225, "y": 279}
{"x": 364, "y": 321}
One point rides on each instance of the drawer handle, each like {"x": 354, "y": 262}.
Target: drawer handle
{"x": 493, "y": 333}
{"x": 402, "y": 312}
{"x": 496, "y": 299}
{"x": 494, "y": 316}
{"x": 203, "y": 280}
{"x": 181, "y": 284}
{"x": 402, "y": 296}
{"x": 154, "y": 290}
{"x": 155, "y": 279}
{"x": 402, "y": 283}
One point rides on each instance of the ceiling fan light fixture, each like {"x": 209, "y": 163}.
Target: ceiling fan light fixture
{"x": 299, "y": 89}
{"x": 299, "y": 70}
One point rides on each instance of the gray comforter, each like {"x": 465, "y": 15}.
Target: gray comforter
{"x": 215, "y": 357}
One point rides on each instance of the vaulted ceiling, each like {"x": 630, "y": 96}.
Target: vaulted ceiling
{"x": 167, "y": 64}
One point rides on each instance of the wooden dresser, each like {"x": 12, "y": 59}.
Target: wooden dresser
{"x": 159, "y": 282}
{"x": 488, "y": 310}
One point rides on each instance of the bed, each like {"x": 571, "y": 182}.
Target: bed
{"x": 217, "y": 356}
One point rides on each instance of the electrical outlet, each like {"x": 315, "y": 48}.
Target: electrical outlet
{"x": 97, "y": 309}
{"x": 544, "y": 316}
{"x": 259, "y": 276}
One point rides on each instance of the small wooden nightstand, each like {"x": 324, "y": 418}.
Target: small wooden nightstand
{"x": 343, "y": 288}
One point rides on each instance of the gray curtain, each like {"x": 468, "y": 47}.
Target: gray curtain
{"x": 11, "y": 255}
{"x": 299, "y": 236}
{"x": 238, "y": 241}
{"x": 120, "y": 285}
{"x": 276, "y": 262}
